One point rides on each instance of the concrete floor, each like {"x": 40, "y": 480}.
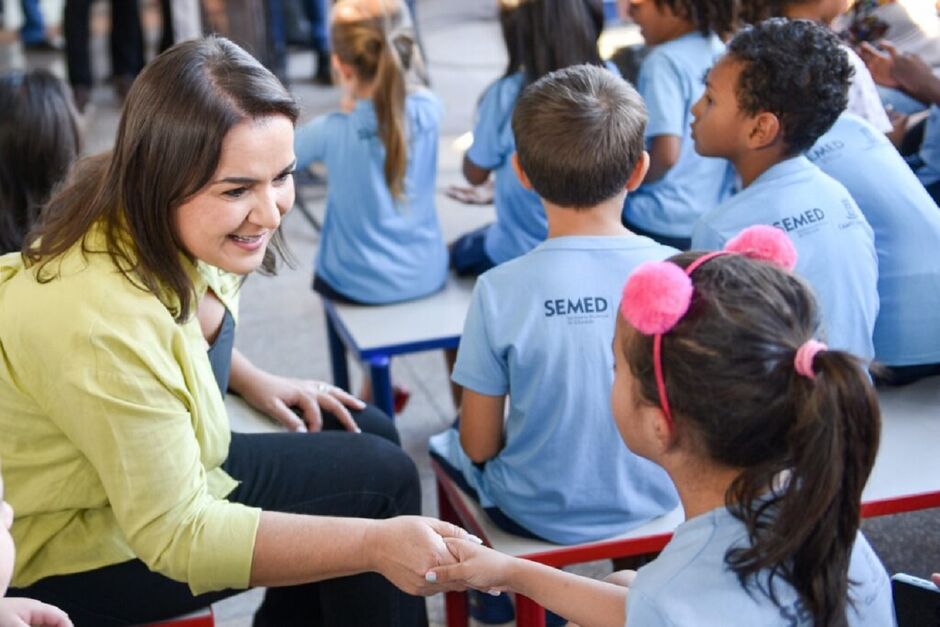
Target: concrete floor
{"x": 282, "y": 326}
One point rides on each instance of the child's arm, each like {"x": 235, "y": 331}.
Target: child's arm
{"x": 664, "y": 153}
{"x": 24, "y": 612}
{"x": 474, "y": 174}
{"x": 481, "y": 425}
{"x": 585, "y": 601}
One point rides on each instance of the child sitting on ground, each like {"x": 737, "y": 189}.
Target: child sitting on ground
{"x": 906, "y": 225}
{"x": 381, "y": 240}
{"x": 544, "y": 35}
{"x": 768, "y": 436}
{"x": 781, "y": 85}
{"x": 539, "y": 328}
{"x": 685, "y": 39}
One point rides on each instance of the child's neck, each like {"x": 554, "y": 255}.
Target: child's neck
{"x": 752, "y": 164}
{"x": 602, "y": 219}
{"x": 678, "y": 29}
{"x": 702, "y": 486}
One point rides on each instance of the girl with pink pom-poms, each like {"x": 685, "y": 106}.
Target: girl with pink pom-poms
{"x": 768, "y": 436}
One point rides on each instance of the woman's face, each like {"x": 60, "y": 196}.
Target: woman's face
{"x": 230, "y": 221}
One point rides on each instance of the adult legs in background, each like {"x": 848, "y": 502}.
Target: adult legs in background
{"x": 33, "y": 31}
{"x": 127, "y": 48}
{"x": 127, "y": 44}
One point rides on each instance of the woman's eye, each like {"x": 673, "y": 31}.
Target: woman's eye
{"x": 283, "y": 177}
{"x": 238, "y": 192}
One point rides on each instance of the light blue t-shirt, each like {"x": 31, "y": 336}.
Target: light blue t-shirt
{"x": 520, "y": 217}
{"x": 834, "y": 243}
{"x": 539, "y": 330}
{"x": 690, "y": 583}
{"x": 376, "y": 249}
{"x": 906, "y": 223}
{"x": 929, "y": 172}
{"x": 670, "y": 82}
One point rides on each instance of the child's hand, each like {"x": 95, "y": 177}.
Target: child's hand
{"x": 879, "y": 63}
{"x": 478, "y": 567}
{"x": 29, "y": 613}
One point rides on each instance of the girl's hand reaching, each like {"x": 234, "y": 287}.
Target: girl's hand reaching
{"x": 477, "y": 567}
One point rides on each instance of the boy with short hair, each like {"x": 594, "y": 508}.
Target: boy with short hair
{"x": 540, "y": 327}
{"x": 781, "y": 85}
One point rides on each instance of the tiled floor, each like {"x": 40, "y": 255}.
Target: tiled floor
{"x": 282, "y": 326}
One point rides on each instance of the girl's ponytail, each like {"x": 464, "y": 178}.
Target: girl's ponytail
{"x": 381, "y": 49}
{"x": 802, "y": 432}
{"x": 389, "y": 99}
{"x": 816, "y": 503}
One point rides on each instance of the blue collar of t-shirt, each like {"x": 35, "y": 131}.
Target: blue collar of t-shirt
{"x": 784, "y": 169}
{"x": 595, "y": 242}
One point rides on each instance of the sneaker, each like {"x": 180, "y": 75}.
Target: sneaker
{"x": 490, "y": 610}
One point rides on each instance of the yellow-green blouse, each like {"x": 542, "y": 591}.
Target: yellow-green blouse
{"x": 113, "y": 429}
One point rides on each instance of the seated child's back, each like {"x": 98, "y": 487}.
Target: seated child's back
{"x": 753, "y": 114}
{"x": 540, "y": 327}
{"x": 545, "y": 35}
{"x": 381, "y": 239}
{"x": 682, "y": 184}
{"x": 906, "y": 224}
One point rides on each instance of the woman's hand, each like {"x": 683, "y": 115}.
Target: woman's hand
{"x": 25, "y": 612}
{"x": 277, "y": 396}
{"x": 477, "y": 567}
{"x": 404, "y": 549}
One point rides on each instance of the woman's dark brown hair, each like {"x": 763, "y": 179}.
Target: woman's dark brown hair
{"x": 39, "y": 142}
{"x": 805, "y": 447}
{"x": 168, "y": 146}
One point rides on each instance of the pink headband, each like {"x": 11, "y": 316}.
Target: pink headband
{"x": 658, "y": 294}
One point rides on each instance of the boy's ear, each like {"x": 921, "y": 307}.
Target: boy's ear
{"x": 765, "y": 130}
{"x": 520, "y": 173}
{"x": 639, "y": 172}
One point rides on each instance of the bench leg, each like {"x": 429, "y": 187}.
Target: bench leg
{"x": 380, "y": 369}
{"x": 456, "y": 610}
{"x": 337, "y": 356}
{"x": 455, "y": 603}
{"x": 529, "y": 613}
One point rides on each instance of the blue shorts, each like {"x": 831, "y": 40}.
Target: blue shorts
{"x": 468, "y": 254}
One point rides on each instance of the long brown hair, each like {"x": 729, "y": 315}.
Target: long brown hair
{"x": 168, "y": 146}
{"x": 805, "y": 447}
{"x": 381, "y": 49}
{"x": 39, "y": 142}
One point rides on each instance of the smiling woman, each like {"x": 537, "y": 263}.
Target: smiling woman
{"x": 134, "y": 501}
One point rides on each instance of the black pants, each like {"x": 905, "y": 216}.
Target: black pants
{"x": 331, "y": 474}
{"x": 127, "y": 40}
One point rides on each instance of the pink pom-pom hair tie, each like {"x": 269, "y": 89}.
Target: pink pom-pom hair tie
{"x": 658, "y": 294}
